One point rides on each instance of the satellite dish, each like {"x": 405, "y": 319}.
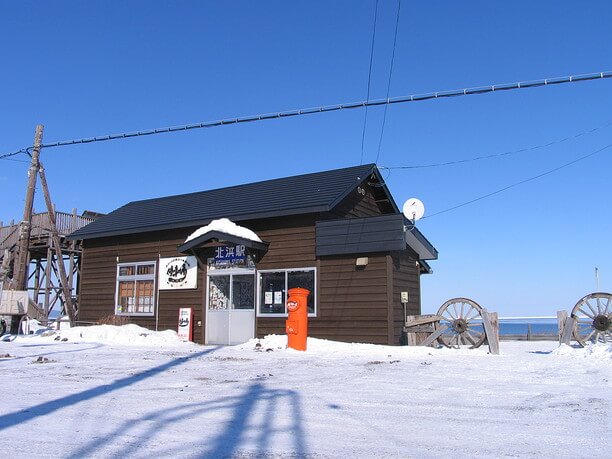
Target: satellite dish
{"x": 413, "y": 209}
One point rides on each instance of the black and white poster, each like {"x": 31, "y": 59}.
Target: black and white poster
{"x": 178, "y": 273}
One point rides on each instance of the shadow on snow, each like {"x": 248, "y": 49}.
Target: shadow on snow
{"x": 42, "y": 409}
{"x": 237, "y": 431}
{"x": 248, "y": 430}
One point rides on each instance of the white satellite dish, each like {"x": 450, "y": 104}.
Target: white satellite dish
{"x": 413, "y": 209}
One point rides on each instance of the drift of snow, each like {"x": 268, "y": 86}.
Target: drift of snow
{"x": 599, "y": 351}
{"x": 104, "y": 398}
{"x": 128, "y": 335}
{"x": 226, "y": 226}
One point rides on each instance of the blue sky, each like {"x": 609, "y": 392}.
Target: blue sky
{"x": 91, "y": 68}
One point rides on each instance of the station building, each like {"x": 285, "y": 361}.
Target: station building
{"x": 228, "y": 257}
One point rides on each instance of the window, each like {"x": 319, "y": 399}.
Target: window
{"x": 135, "y": 289}
{"x": 274, "y": 284}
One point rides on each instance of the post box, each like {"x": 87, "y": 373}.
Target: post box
{"x": 297, "y": 322}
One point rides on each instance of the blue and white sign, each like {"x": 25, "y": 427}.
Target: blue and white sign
{"x": 230, "y": 254}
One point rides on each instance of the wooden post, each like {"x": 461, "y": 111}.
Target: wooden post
{"x": 568, "y": 330}
{"x": 492, "y": 335}
{"x": 411, "y": 337}
{"x": 494, "y": 318}
{"x": 561, "y": 318}
{"x": 48, "y": 277}
{"x": 63, "y": 279}
{"x": 528, "y": 332}
{"x": 20, "y": 275}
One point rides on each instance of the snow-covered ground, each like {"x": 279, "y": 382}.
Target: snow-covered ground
{"x": 128, "y": 392}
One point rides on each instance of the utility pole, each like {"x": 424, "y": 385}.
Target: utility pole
{"x": 20, "y": 276}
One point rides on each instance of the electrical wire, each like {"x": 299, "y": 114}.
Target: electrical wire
{"x": 382, "y": 129}
{"x": 331, "y": 108}
{"x": 8, "y": 155}
{"x": 497, "y": 155}
{"x": 530, "y": 179}
{"x": 15, "y": 160}
{"x": 365, "y": 117}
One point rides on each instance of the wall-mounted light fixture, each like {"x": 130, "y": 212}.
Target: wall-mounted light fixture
{"x": 361, "y": 262}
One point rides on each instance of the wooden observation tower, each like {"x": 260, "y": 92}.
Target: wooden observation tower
{"x": 39, "y": 267}
{"x": 42, "y": 271}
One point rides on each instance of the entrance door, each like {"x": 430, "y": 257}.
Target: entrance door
{"x": 230, "y": 315}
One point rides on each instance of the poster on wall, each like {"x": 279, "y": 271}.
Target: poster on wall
{"x": 185, "y": 324}
{"x": 178, "y": 273}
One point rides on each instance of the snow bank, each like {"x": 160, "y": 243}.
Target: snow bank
{"x": 324, "y": 347}
{"x": 598, "y": 351}
{"x": 127, "y": 335}
{"x": 227, "y": 226}
{"x": 33, "y": 326}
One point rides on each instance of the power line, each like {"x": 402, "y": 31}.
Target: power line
{"x": 15, "y": 160}
{"x": 497, "y": 155}
{"x": 382, "y": 129}
{"x": 8, "y": 155}
{"x": 530, "y": 179}
{"x": 332, "y": 108}
{"x": 365, "y": 117}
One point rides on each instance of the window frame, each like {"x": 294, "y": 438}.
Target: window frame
{"x": 285, "y": 271}
{"x": 135, "y": 278}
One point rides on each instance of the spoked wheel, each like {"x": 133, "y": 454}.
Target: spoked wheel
{"x": 593, "y": 315}
{"x": 463, "y": 317}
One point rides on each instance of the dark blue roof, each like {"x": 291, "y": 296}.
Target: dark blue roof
{"x": 308, "y": 193}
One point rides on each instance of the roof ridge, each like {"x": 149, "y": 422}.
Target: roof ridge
{"x": 250, "y": 184}
{"x": 305, "y": 193}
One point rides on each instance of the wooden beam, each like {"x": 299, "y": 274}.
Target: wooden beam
{"x": 490, "y": 323}
{"x": 423, "y": 320}
{"x": 434, "y": 336}
{"x": 63, "y": 279}
{"x": 568, "y": 330}
{"x": 561, "y": 318}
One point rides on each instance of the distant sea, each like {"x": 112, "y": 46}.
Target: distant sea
{"x": 523, "y": 326}
{"x": 526, "y": 326}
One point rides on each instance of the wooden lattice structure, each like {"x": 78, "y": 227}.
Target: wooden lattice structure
{"x": 43, "y": 276}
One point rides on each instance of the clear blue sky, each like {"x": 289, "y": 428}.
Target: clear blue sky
{"x": 100, "y": 67}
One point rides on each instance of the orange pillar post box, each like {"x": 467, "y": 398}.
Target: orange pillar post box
{"x": 297, "y": 322}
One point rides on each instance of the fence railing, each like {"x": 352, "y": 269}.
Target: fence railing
{"x": 541, "y": 328}
{"x": 65, "y": 222}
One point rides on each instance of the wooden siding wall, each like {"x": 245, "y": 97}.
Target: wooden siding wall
{"x": 406, "y": 278}
{"x": 352, "y": 303}
{"x": 99, "y": 271}
{"x": 356, "y": 205}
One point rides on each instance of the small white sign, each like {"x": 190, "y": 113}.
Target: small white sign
{"x": 268, "y": 298}
{"x": 178, "y": 273}
{"x": 278, "y": 297}
{"x": 184, "y": 324}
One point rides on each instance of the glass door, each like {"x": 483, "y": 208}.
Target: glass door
{"x": 230, "y": 311}
{"x": 242, "y": 312}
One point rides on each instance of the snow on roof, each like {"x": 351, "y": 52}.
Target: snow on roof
{"x": 225, "y": 225}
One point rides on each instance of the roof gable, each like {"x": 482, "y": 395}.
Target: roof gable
{"x": 307, "y": 193}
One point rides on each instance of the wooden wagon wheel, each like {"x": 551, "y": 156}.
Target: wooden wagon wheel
{"x": 593, "y": 314}
{"x": 463, "y": 317}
